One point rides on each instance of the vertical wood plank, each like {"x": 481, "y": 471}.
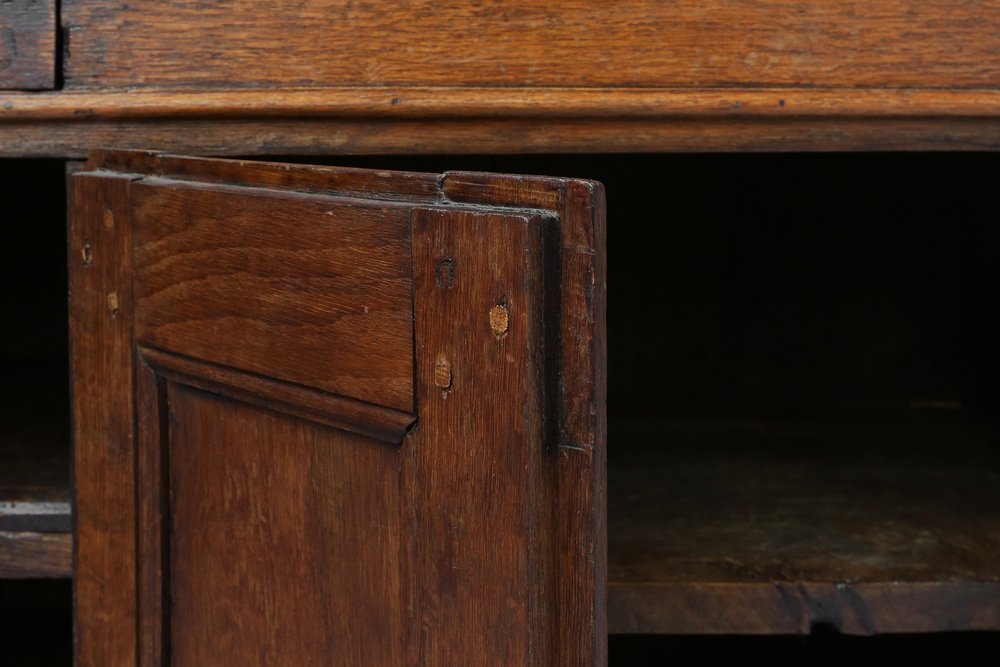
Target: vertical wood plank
{"x": 152, "y": 481}
{"x": 477, "y": 473}
{"x": 101, "y": 365}
{"x": 582, "y": 474}
{"x": 582, "y": 404}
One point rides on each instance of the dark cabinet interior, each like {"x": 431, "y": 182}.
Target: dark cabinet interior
{"x": 803, "y": 401}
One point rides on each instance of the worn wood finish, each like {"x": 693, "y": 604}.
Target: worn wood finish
{"x": 28, "y": 44}
{"x": 31, "y": 555}
{"x": 143, "y": 43}
{"x": 465, "y": 136}
{"x": 325, "y": 287}
{"x": 582, "y": 387}
{"x": 285, "y": 539}
{"x": 408, "y": 102}
{"x": 352, "y": 136}
{"x": 479, "y": 471}
{"x": 767, "y": 527}
{"x": 291, "y": 538}
{"x": 101, "y": 364}
{"x": 351, "y": 415}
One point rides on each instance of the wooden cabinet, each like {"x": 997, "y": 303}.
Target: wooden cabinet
{"x": 800, "y": 427}
{"x": 801, "y": 397}
{"x": 326, "y": 416}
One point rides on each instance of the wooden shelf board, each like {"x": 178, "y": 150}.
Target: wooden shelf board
{"x": 750, "y": 527}
{"x": 35, "y": 498}
{"x": 28, "y": 555}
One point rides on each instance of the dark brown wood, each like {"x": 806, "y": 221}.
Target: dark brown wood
{"x": 351, "y": 415}
{"x": 248, "y": 136}
{"x": 101, "y": 365}
{"x": 724, "y": 43}
{"x": 28, "y": 44}
{"x": 481, "y": 487}
{"x": 293, "y": 533}
{"x": 153, "y": 509}
{"x": 869, "y": 526}
{"x": 324, "y": 288}
{"x": 582, "y": 387}
{"x": 285, "y": 539}
{"x": 28, "y": 555}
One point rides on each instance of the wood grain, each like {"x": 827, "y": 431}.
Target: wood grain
{"x": 323, "y": 545}
{"x": 582, "y": 391}
{"x": 766, "y": 527}
{"x": 352, "y": 136}
{"x": 244, "y": 43}
{"x": 285, "y": 539}
{"x": 303, "y": 289}
{"x": 478, "y": 470}
{"x": 29, "y": 555}
{"x": 366, "y": 419}
{"x": 101, "y": 364}
{"x": 383, "y": 184}
{"x": 408, "y": 102}
{"x": 152, "y": 480}
{"x": 28, "y": 44}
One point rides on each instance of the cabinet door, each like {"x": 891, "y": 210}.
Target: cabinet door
{"x": 336, "y": 416}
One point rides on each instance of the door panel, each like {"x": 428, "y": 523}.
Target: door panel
{"x": 354, "y": 437}
{"x": 301, "y": 288}
{"x": 298, "y": 524}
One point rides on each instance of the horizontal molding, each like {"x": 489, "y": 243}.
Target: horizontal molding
{"x": 498, "y": 102}
{"x": 373, "y": 421}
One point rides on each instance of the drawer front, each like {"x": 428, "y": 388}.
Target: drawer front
{"x": 635, "y": 43}
{"x": 27, "y": 44}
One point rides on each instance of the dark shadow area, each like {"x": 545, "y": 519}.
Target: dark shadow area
{"x": 820, "y": 649}
{"x": 36, "y": 623}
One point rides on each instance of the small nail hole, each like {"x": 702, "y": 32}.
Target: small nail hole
{"x": 446, "y": 273}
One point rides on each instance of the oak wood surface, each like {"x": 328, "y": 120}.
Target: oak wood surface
{"x": 408, "y": 101}
{"x": 352, "y": 415}
{"x": 101, "y": 367}
{"x": 351, "y": 136}
{"x": 28, "y": 44}
{"x": 324, "y": 288}
{"x": 244, "y": 43}
{"x": 582, "y": 388}
{"x": 276, "y": 518}
{"x": 871, "y": 526}
{"x": 478, "y": 466}
{"x": 285, "y": 539}
{"x": 919, "y": 76}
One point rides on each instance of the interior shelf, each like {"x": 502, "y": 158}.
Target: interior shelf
{"x": 35, "y": 508}
{"x": 877, "y": 524}
{"x": 35, "y": 520}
